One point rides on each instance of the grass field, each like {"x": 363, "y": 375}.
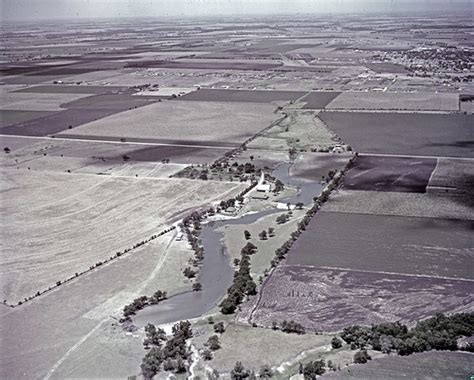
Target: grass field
{"x": 59, "y": 224}
{"x": 80, "y": 317}
{"x": 244, "y": 343}
{"x": 186, "y": 121}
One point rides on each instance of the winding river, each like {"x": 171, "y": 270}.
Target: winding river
{"x": 216, "y": 272}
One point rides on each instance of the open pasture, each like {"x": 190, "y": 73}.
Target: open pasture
{"x": 401, "y": 174}
{"x": 422, "y": 366}
{"x": 395, "y": 101}
{"x": 404, "y": 133}
{"x": 57, "y": 224}
{"x": 96, "y": 299}
{"x": 204, "y": 122}
{"x": 326, "y": 299}
{"x": 319, "y": 100}
{"x": 252, "y": 96}
{"x": 382, "y": 243}
{"x": 244, "y": 343}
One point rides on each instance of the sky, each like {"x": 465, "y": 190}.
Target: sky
{"x": 71, "y": 9}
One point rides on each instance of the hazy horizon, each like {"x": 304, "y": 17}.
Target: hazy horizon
{"x": 30, "y": 10}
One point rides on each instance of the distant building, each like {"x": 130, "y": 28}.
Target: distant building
{"x": 180, "y": 236}
{"x": 262, "y": 186}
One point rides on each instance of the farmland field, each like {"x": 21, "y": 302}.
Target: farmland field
{"x": 318, "y": 100}
{"x": 395, "y": 101}
{"x": 8, "y": 117}
{"x": 65, "y": 89}
{"x": 428, "y": 205}
{"x": 257, "y": 96}
{"x": 325, "y": 299}
{"x": 17, "y": 101}
{"x": 401, "y": 174}
{"x": 405, "y": 134}
{"x": 78, "y": 220}
{"x": 186, "y": 121}
{"x": 430, "y": 246}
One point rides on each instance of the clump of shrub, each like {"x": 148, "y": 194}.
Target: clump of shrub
{"x": 437, "y": 333}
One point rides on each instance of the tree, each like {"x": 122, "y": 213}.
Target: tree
{"x": 263, "y": 235}
{"x": 313, "y": 369}
{"x": 151, "y": 363}
{"x": 207, "y": 354}
{"x": 197, "y": 287}
{"x": 362, "y": 357}
{"x": 158, "y": 296}
{"x": 189, "y": 273}
{"x": 299, "y": 205}
{"x": 271, "y": 231}
{"x": 6, "y": 150}
{"x": 239, "y": 372}
{"x": 279, "y": 186}
{"x": 228, "y": 305}
{"x": 219, "y": 328}
{"x": 281, "y": 219}
{"x": 247, "y": 235}
{"x": 265, "y": 372}
{"x": 336, "y": 343}
{"x": 213, "y": 343}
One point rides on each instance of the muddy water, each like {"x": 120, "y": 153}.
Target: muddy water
{"x": 216, "y": 275}
{"x": 307, "y": 189}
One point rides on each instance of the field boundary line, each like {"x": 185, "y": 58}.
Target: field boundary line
{"x": 384, "y": 272}
{"x": 415, "y": 156}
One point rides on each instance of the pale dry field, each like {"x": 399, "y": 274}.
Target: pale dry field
{"x": 395, "y": 101}
{"x": 79, "y": 339}
{"x": 192, "y": 121}
{"x": 56, "y": 224}
{"x": 20, "y": 101}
